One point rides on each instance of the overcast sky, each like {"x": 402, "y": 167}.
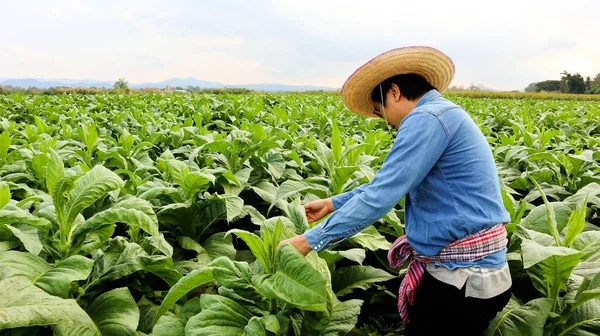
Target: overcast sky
{"x": 502, "y": 44}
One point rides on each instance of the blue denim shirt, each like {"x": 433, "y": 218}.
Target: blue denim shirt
{"x": 444, "y": 166}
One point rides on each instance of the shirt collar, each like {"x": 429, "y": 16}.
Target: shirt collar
{"x": 427, "y": 97}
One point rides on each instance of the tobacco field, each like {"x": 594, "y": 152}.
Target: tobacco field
{"x": 161, "y": 214}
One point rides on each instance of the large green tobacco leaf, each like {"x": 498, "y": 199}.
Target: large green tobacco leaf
{"x": 182, "y": 287}
{"x": 514, "y": 319}
{"x": 356, "y": 254}
{"x": 57, "y": 280}
{"x": 92, "y": 186}
{"x": 548, "y": 266}
{"x": 588, "y": 290}
{"x": 12, "y": 215}
{"x": 168, "y": 325}
{"x": 219, "y": 316}
{"x": 15, "y": 263}
{"x": 22, "y": 305}
{"x": 537, "y": 218}
{"x": 135, "y": 212}
{"x": 584, "y": 320}
{"x": 121, "y": 258}
{"x": 589, "y": 245}
{"x": 256, "y": 246}
{"x": 347, "y": 279}
{"x": 576, "y": 223}
{"x": 55, "y": 171}
{"x": 29, "y": 237}
{"x": 371, "y": 239}
{"x": 266, "y": 325}
{"x": 115, "y": 312}
{"x": 54, "y": 280}
{"x": 231, "y": 274}
{"x": 4, "y": 194}
{"x": 297, "y": 282}
{"x": 344, "y": 318}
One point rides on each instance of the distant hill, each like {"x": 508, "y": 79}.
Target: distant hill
{"x": 173, "y": 82}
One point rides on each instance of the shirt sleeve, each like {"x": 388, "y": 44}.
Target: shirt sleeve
{"x": 341, "y": 199}
{"x": 420, "y": 141}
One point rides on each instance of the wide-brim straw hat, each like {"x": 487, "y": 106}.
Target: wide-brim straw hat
{"x": 433, "y": 65}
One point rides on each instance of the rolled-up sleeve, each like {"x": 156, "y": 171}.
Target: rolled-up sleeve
{"x": 420, "y": 141}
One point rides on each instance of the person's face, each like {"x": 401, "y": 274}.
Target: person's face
{"x": 396, "y": 107}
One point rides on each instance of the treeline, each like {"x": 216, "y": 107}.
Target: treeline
{"x": 568, "y": 83}
{"x": 6, "y": 90}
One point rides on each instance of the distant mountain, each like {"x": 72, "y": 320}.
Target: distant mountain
{"x": 173, "y": 82}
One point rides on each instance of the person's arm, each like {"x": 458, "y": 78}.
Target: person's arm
{"x": 420, "y": 141}
{"x": 341, "y": 199}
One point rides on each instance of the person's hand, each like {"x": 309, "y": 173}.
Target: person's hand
{"x": 318, "y": 209}
{"x": 299, "y": 242}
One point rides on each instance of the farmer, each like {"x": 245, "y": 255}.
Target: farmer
{"x": 458, "y": 278}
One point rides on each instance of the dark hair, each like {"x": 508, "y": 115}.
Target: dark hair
{"x": 412, "y": 86}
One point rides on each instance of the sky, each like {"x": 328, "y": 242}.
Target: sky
{"x": 504, "y": 45}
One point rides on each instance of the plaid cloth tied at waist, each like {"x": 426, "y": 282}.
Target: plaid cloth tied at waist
{"x": 469, "y": 248}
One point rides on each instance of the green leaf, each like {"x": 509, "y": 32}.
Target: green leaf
{"x": 588, "y": 290}
{"x": 56, "y": 281}
{"x": 331, "y": 256}
{"x": 584, "y": 320}
{"x": 4, "y": 144}
{"x": 55, "y": 171}
{"x": 528, "y": 319}
{"x": 194, "y": 279}
{"x": 115, "y": 312}
{"x": 168, "y": 325}
{"x": 196, "y": 182}
{"x": 576, "y": 223}
{"x": 219, "y": 316}
{"x": 297, "y": 282}
{"x": 219, "y": 244}
{"x": 23, "y": 217}
{"x": 371, "y": 239}
{"x": 231, "y": 274}
{"x": 29, "y": 237}
{"x": 537, "y": 219}
{"x": 255, "y": 244}
{"x": 92, "y": 186}
{"x": 554, "y": 265}
{"x": 133, "y": 211}
{"x": 15, "y": 263}
{"x": 178, "y": 171}
{"x": 297, "y": 214}
{"x": 4, "y": 194}
{"x": 23, "y": 305}
{"x": 347, "y": 279}
{"x": 344, "y": 318}
{"x": 290, "y": 188}
{"x": 336, "y": 141}
{"x": 120, "y": 259}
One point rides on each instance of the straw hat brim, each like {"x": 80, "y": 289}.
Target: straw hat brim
{"x": 429, "y": 63}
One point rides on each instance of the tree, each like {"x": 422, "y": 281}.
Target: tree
{"x": 548, "y": 86}
{"x": 564, "y": 82}
{"x": 121, "y": 84}
{"x": 531, "y": 88}
{"x": 576, "y": 84}
{"x": 588, "y": 83}
{"x": 596, "y": 81}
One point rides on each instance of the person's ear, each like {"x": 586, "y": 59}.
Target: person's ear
{"x": 395, "y": 91}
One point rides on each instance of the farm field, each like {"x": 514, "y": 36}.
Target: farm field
{"x": 160, "y": 215}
